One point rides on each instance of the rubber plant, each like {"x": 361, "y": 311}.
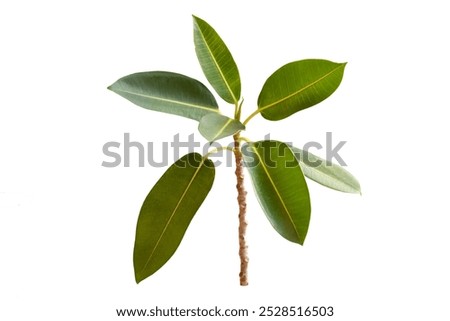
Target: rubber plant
{"x": 277, "y": 170}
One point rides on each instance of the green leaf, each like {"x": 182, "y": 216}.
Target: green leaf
{"x": 167, "y": 211}
{"x": 280, "y": 187}
{"x": 216, "y": 61}
{"x": 167, "y": 92}
{"x": 326, "y": 173}
{"x": 298, "y": 85}
{"x": 217, "y": 126}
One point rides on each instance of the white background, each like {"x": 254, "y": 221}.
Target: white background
{"x": 67, "y": 223}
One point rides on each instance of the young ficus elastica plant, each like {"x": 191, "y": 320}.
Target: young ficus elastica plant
{"x": 277, "y": 170}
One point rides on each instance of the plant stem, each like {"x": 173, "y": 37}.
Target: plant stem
{"x": 242, "y": 209}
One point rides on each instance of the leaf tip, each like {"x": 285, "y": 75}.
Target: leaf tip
{"x": 358, "y": 187}
{"x": 302, "y": 238}
{"x": 113, "y": 87}
{"x": 196, "y": 19}
{"x": 137, "y": 278}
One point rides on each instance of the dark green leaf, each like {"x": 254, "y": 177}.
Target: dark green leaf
{"x": 167, "y": 92}
{"x": 298, "y": 85}
{"x": 216, "y": 61}
{"x": 326, "y": 173}
{"x": 280, "y": 187}
{"x": 217, "y": 126}
{"x": 167, "y": 211}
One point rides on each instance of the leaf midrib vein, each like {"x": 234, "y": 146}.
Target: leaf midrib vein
{"x": 324, "y": 173}
{"x": 173, "y": 214}
{"x": 299, "y": 90}
{"x": 216, "y": 63}
{"x": 212, "y": 109}
{"x": 222, "y": 129}
{"x": 337, "y": 182}
{"x": 276, "y": 191}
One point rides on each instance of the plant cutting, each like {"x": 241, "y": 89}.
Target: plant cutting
{"x": 277, "y": 170}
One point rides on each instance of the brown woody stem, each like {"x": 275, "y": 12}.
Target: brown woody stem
{"x": 242, "y": 209}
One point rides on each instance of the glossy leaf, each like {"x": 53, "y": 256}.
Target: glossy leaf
{"x": 216, "y": 61}
{"x": 217, "y": 126}
{"x": 280, "y": 187}
{"x": 167, "y": 92}
{"x": 298, "y": 85}
{"x": 326, "y": 173}
{"x": 167, "y": 211}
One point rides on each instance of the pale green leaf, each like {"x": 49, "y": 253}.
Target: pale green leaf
{"x": 326, "y": 173}
{"x": 298, "y": 85}
{"x": 280, "y": 187}
{"x": 216, "y": 61}
{"x": 167, "y": 211}
{"x": 217, "y": 126}
{"x": 167, "y": 92}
